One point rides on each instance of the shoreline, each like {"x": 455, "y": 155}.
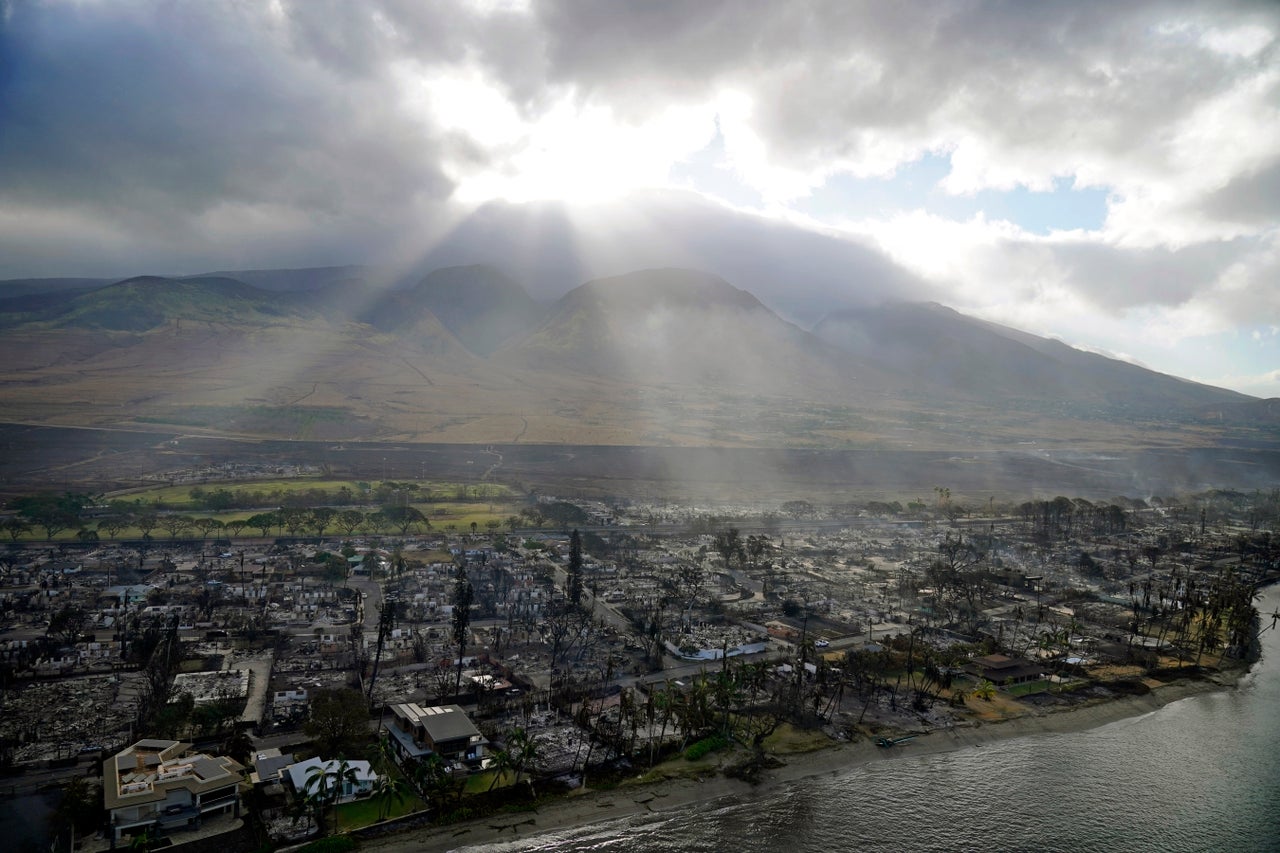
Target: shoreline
{"x": 636, "y": 799}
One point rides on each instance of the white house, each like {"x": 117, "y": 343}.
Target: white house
{"x": 305, "y": 780}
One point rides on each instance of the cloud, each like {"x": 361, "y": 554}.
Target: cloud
{"x": 152, "y": 135}
{"x": 188, "y": 126}
{"x": 799, "y": 271}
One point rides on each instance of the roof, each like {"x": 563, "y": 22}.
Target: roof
{"x": 1000, "y": 667}
{"x": 441, "y": 722}
{"x": 999, "y": 662}
{"x": 268, "y": 769}
{"x": 144, "y": 772}
{"x": 300, "y": 774}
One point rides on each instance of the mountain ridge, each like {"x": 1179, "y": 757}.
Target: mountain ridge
{"x": 656, "y": 356}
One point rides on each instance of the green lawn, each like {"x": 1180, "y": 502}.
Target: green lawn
{"x": 1028, "y": 687}
{"x": 368, "y": 811}
{"x": 480, "y": 782}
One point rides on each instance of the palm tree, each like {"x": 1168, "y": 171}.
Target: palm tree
{"x": 387, "y": 789}
{"x": 526, "y": 752}
{"x": 984, "y": 689}
{"x": 324, "y": 786}
{"x": 501, "y": 763}
{"x": 317, "y": 792}
{"x": 431, "y": 778}
{"x": 381, "y": 753}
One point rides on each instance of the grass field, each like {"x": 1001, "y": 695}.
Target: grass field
{"x": 180, "y": 496}
{"x": 458, "y": 507}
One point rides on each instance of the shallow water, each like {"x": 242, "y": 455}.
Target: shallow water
{"x": 1200, "y": 774}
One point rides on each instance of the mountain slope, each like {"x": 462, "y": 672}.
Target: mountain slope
{"x": 481, "y": 306}
{"x": 13, "y": 287}
{"x": 657, "y": 357}
{"x": 146, "y": 302}
{"x": 309, "y": 278}
{"x": 682, "y": 327}
{"x": 990, "y": 362}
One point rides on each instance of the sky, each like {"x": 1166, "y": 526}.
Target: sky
{"x": 1106, "y": 173}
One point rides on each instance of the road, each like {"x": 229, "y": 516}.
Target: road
{"x": 370, "y": 600}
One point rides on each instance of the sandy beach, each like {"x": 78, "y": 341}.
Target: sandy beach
{"x": 626, "y": 800}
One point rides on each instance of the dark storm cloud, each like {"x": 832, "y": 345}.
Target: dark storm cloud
{"x": 176, "y": 123}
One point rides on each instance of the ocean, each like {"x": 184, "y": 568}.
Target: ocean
{"x": 1200, "y": 774}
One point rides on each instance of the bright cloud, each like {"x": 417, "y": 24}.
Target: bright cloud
{"x": 150, "y": 135}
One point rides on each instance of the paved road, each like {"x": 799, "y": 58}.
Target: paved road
{"x": 371, "y": 600}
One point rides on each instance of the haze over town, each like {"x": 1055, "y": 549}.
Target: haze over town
{"x": 425, "y": 425}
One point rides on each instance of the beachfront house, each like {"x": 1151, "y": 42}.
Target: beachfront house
{"x": 444, "y": 730}
{"x": 1004, "y": 671}
{"x": 350, "y": 779}
{"x": 161, "y": 785}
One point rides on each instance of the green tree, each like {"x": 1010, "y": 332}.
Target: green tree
{"x": 321, "y": 518}
{"x": 206, "y": 526}
{"x": 175, "y": 524}
{"x": 404, "y": 517}
{"x": 80, "y": 808}
{"x": 239, "y": 746}
{"x": 525, "y": 750}
{"x": 500, "y": 762}
{"x": 51, "y": 511}
{"x": 339, "y": 720}
{"x": 389, "y": 790}
{"x": 264, "y": 521}
{"x": 115, "y": 523}
{"x": 431, "y": 778}
{"x": 349, "y": 520}
{"x": 16, "y": 526}
{"x": 146, "y": 522}
{"x": 68, "y": 624}
{"x": 294, "y": 519}
{"x": 324, "y": 786}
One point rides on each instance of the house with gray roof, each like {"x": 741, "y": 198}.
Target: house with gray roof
{"x": 443, "y": 730}
{"x": 162, "y": 784}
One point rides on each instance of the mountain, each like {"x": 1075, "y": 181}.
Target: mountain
{"x": 479, "y": 305}
{"x": 309, "y": 278}
{"x": 654, "y": 357}
{"x": 145, "y": 302}
{"x": 14, "y": 287}
{"x": 928, "y": 342}
{"x": 676, "y": 327}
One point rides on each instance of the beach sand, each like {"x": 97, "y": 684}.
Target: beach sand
{"x": 627, "y": 800}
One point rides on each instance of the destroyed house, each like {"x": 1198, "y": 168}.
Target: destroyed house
{"x": 161, "y": 784}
